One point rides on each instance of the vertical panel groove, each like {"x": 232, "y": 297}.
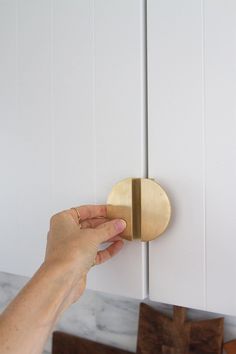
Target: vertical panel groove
{"x": 145, "y": 48}
{"x": 145, "y": 122}
{"x": 52, "y": 106}
{"x": 17, "y": 60}
{"x": 93, "y": 103}
{"x": 204, "y": 149}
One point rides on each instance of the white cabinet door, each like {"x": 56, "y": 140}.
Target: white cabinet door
{"x": 220, "y": 110}
{"x": 72, "y": 123}
{"x": 192, "y": 150}
{"x": 176, "y": 148}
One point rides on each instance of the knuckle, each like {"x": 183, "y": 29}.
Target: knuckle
{"x": 110, "y": 229}
{"x": 103, "y": 209}
{"x": 56, "y": 217}
{"x": 88, "y": 211}
{"x": 98, "y": 233}
{"x": 86, "y": 224}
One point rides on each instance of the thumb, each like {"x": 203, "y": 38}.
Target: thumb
{"x": 110, "y": 229}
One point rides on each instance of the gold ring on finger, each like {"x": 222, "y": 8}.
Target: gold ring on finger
{"x": 79, "y": 217}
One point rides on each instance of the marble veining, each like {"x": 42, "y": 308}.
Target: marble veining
{"x": 104, "y": 318}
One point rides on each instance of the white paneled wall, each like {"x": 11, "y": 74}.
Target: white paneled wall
{"x": 75, "y": 107}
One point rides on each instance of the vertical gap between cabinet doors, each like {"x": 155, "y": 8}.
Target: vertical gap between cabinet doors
{"x": 204, "y": 146}
{"x": 145, "y": 122}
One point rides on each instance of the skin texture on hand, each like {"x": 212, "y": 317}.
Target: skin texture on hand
{"x": 76, "y": 244}
{"x": 71, "y": 250}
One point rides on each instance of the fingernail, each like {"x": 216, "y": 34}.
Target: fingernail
{"x": 120, "y": 225}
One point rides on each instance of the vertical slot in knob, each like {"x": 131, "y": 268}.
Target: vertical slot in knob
{"x": 143, "y": 204}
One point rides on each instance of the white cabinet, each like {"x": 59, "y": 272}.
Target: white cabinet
{"x": 72, "y": 123}
{"x": 192, "y": 150}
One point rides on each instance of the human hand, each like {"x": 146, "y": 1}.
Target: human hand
{"x": 73, "y": 246}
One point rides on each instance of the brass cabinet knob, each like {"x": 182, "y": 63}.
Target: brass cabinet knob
{"x": 143, "y": 204}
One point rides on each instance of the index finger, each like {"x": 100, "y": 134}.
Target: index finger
{"x": 92, "y": 211}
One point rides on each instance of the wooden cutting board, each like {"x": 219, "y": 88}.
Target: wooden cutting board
{"x": 64, "y": 343}
{"x": 230, "y": 347}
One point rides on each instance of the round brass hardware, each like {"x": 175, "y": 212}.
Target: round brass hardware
{"x": 143, "y": 204}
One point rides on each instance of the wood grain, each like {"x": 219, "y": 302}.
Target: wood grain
{"x": 64, "y": 343}
{"x": 160, "y": 334}
{"x": 207, "y": 336}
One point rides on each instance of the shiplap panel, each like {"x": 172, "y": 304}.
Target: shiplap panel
{"x": 72, "y": 103}
{"x": 25, "y": 63}
{"x": 8, "y": 136}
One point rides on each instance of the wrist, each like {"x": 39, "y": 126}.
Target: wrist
{"x": 65, "y": 280}
{"x": 55, "y": 283}
{"x": 61, "y": 272}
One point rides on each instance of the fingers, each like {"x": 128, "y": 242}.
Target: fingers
{"x": 115, "y": 238}
{"x": 110, "y": 229}
{"x": 109, "y": 252}
{"x": 92, "y": 211}
{"x": 91, "y": 223}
